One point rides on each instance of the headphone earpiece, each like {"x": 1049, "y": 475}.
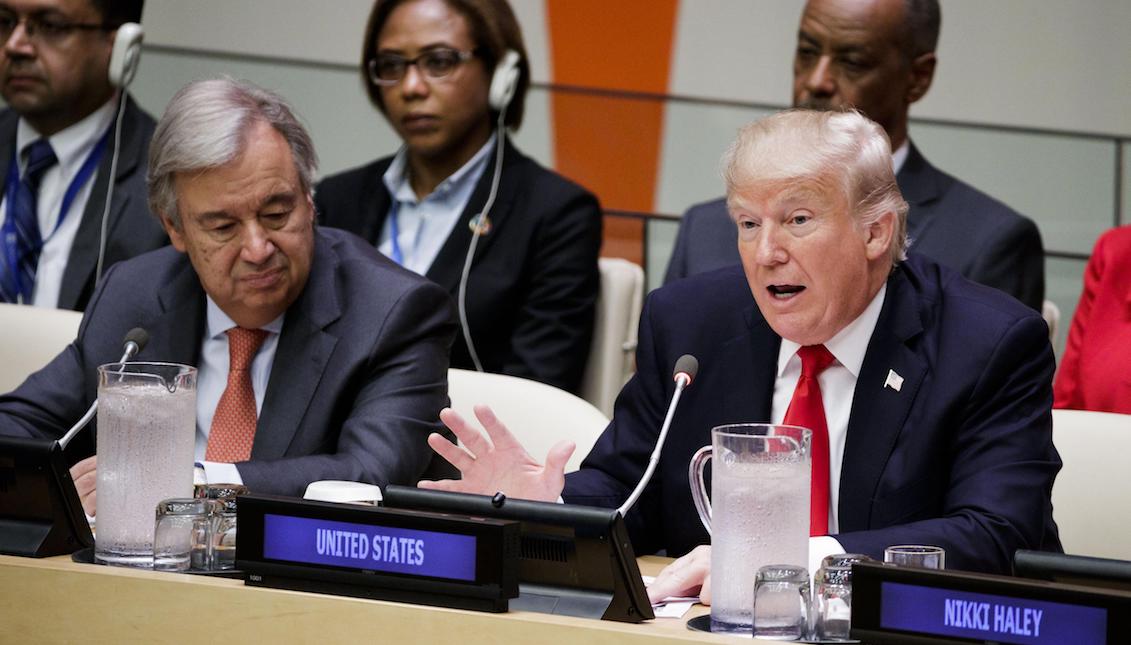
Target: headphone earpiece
{"x": 126, "y": 54}
{"x": 504, "y": 81}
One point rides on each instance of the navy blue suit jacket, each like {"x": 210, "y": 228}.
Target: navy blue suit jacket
{"x": 130, "y": 229}
{"x": 961, "y": 456}
{"x": 949, "y": 221}
{"x": 532, "y": 291}
{"x": 357, "y": 384}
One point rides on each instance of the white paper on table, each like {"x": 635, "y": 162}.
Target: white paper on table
{"x": 672, "y": 606}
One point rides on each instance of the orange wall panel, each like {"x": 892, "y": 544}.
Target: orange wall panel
{"x": 609, "y": 144}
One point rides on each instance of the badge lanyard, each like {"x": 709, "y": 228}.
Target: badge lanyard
{"x": 395, "y": 232}
{"x": 12, "y": 184}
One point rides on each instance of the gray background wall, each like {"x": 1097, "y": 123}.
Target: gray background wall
{"x": 1031, "y": 102}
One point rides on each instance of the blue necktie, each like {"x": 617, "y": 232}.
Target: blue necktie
{"x": 21, "y": 254}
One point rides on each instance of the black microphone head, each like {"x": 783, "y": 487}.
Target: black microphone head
{"x": 687, "y": 365}
{"x": 137, "y": 336}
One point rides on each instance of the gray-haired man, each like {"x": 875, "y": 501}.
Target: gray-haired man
{"x": 348, "y": 352}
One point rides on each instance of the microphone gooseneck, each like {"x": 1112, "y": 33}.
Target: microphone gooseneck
{"x": 686, "y": 369}
{"x": 135, "y": 341}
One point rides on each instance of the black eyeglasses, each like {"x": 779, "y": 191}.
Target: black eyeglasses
{"x": 44, "y": 30}
{"x": 390, "y": 69}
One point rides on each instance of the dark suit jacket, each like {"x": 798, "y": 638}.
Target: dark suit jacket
{"x": 961, "y": 456}
{"x": 949, "y": 221}
{"x": 357, "y": 384}
{"x": 131, "y": 229}
{"x": 532, "y": 292}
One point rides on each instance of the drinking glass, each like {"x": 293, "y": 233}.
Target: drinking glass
{"x": 781, "y": 602}
{"x": 146, "y": 431}
{"x": 224, "y": 531}
{"x": 916, "y": 556}
{"x": 758, "y": 512}
{"x": 182, "y": 534}
{"x": 833, "y": 599}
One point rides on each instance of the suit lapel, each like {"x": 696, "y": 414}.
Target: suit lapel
{"x": 7, "y": 144}
{"x": 750, "y": 358}
{"x": 301, "y": 356}
{"x": 83, "y": 259}
{"x": 447, "y": 268}
{"x": 176, "y": 332}
{"x": 879, "y": 411}
{"x": 374, "y": 204}
{"x": 920, "y": 184}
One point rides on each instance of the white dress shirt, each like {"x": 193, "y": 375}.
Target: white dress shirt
{"x": 72, "y": 146}
{"x": 425, "y": 224}
{"x": 900, "y": 156}
{"x": 838, "y": 387}
{"x": 212, "y": 379}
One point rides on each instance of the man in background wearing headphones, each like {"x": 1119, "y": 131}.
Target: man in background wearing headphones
{"x": 442, "y": 72}
{"x": 57, "y": 147}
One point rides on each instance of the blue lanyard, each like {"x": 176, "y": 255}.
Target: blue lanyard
{"x": 395, "y": 232}
{"x": 13, "y": 183}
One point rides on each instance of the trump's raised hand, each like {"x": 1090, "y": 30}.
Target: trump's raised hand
{"x": 491, "y": 460}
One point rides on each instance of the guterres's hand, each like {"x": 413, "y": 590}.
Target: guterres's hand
{"x": 85, "y": 476}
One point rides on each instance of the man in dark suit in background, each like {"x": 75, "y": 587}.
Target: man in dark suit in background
{"x": 879, "y": 57}
{"x": 318, "y": 357}
{"x": 53, "y": 76}
{"x": 935, "y": 398}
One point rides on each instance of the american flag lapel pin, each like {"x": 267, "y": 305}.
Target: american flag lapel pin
{"x": 894, "y": 381}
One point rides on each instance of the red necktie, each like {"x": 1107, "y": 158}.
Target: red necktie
{"x": 807, "y": 410}
{"x": 233, "y": 425}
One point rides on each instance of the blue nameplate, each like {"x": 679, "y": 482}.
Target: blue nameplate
{"x": 410, "y": 556}
{"x": 902, "y": 605}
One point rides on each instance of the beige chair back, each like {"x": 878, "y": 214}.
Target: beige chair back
{"x": 614, "y": 337}
{"x": 1051, "y": 313}
{"x": 32, "y": 337}
{"x": 1090, "y": 502}
{"x": 539, "y": 415}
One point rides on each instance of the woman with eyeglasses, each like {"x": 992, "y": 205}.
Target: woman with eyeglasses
{"x": 515, "y": 243}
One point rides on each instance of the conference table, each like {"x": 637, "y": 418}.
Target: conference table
{"x": 57, "y": 600}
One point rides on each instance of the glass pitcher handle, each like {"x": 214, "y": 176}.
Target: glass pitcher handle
{"x": 699, "y": 486}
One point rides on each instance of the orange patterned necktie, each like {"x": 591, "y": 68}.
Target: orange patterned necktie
{"x": 233, "y": 425}
{"x": 807, "y": 410}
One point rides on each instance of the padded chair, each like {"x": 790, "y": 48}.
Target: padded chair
{"x": 614, "y": 336}
{"x": 1051, "y": 313}
{"x": 1090, "y": 502}
{"x": 32, "y": 337}
{"x": 539, "y": 415}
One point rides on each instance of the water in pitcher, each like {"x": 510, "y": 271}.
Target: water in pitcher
{"x": 761, "y": 495}
{"x": 145, "y": 455}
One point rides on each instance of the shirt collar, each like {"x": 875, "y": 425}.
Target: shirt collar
{"x": 900, "y": 156}
{"x": 219, "y": 322}
{"x": 850, "y": 344}
{"x": 397, "y": 181}
{"x": 73, "y": 143}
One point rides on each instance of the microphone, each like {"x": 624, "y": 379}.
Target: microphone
{"x": 686, "y": 368}
{"x": 135, "y": 341}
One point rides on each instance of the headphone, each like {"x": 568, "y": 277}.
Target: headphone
{"x": 126, "y": 54}
{"x": 504, "y": 81}
{"x": 124, "y": 58}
